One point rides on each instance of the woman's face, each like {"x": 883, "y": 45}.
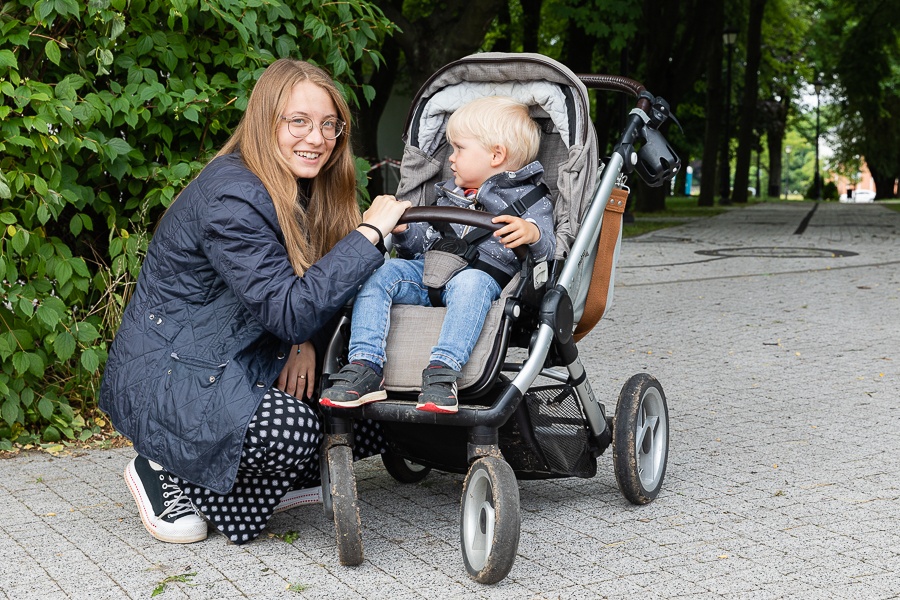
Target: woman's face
{"x": 307, "y": 156}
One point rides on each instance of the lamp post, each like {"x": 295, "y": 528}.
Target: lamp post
{"x": 817, "y": 180}
{"x": 787, "y": 177}
{"x": 729, "y": 37}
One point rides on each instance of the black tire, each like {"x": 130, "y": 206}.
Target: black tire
{"x": 327, "y": 504}
{"x": 342, "y": 488}
{"x": 403, "y": 470}
{"x": 489, "y": 520}
{"x": 641, "y": 439}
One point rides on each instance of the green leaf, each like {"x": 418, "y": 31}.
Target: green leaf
{"x": 48, "y": 316}
{"x": 89, "y": 360}
{"x": 64, "y": 345}
{"x": 45, "y": 407}
{"x": 8, "y": 59}
{"x": 10, "y": 410}
{"x": 85, "y": 332}
{"x": 21, "y": 362}
{"x": 51, "y": 48}
{"x": 75, "y": 225}
{"x": 51, "y": 434}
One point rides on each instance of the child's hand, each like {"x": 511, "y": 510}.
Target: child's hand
{"x": 517, "y": 232}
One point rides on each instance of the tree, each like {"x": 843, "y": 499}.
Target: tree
{"x": 867, "y": 63}
{"x": 104, "y": 118}
{"x": 747, "y": 125}
{"x": 431, "y": 34}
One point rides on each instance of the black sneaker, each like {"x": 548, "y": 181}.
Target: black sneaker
{"x": 354, "y": 385}
{"x": 439, "y": 390}
{"x": 165, "y": 511}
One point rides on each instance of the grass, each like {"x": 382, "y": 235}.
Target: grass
{"x": 679, "y": 210}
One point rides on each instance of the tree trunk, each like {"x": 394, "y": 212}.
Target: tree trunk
{"x": 775, "y": 117}
{"x": 713, "y": 113}
{"x": 675, "y": 58}
{"x": 884, "y": 184}
{"x": 748, "y": 102}
{"x": 531, "y": 24}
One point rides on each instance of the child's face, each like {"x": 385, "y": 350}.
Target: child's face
{"x": 472, "y": 163}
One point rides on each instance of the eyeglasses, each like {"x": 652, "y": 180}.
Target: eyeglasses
{"x": 300, "y": 127}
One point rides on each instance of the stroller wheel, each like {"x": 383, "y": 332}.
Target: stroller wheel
{"x": 402, "y": 469}
{"x": 489, "y": 520}
{"x": 641, "y": 438}
{"x": 341, "y": 485}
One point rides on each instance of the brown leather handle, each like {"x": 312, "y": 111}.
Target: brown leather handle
{"x": 616, "y": 83}
{"x": 463, "y": 216}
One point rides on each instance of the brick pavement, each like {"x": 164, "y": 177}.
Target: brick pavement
{"x": 778, "y": 351}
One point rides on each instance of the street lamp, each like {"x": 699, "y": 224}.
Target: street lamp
{"x": 817, "y": 180}
{"x": 787, "y": 177}
{"x": 729, "y": 37}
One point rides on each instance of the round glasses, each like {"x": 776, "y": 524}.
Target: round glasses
{"x": 300, "y": 127}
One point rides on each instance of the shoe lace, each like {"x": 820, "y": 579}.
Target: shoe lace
{"x": 177, "y": 507}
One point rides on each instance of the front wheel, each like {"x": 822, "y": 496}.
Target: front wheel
{"x": 489, "y": 520}
{"x": 641, "y": 439}
{"x": 344, "y": 504}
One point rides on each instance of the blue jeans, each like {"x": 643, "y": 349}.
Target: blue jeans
{"x": 467, "y": 296}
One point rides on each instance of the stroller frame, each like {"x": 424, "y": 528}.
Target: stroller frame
{"x": 489, "y": 514}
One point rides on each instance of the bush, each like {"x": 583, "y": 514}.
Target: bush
{"x": 105, "y": 116}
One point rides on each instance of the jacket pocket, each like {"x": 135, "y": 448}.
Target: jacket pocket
{"x": 193, "y": 371}
{"x": 189, "y": 390}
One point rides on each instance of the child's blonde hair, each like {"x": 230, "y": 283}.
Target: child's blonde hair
{"x": 498, "y": 120}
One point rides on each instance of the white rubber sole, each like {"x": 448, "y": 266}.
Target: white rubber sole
{"x": 366, "y": 399}
{"x": 161, "y": 530}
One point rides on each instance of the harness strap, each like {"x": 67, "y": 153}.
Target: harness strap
{"x": 516, "y": 208}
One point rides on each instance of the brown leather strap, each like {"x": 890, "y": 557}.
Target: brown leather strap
{"x": 595, "y": 304}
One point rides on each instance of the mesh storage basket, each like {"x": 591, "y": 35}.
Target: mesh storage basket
{"x": 559, "y": 428}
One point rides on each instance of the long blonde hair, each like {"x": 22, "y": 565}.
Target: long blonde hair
{"x": 331, "y": 211}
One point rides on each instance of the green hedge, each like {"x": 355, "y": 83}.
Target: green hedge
{"x": 107, "y": 109}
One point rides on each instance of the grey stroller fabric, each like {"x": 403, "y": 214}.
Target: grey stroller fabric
{"x": 558, "y": 101}
{"x": 570, "y": 164}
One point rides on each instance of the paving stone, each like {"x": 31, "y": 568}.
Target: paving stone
{"x": 778, "y": 354}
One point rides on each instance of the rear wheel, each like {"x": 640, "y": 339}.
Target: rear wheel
{"x": 641, "y": 438}
{"x": 489, "y": 520}
{"x": 402, "y": 469}
{"x": 345, "y": 505}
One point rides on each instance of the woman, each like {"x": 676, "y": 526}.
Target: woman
{"x": 217, "y": 348}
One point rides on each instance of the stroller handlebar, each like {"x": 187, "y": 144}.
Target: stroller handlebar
{"x": 463, "y": 216}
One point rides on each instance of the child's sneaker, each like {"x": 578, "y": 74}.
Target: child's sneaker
{"x": 439, "y": 390}
{"x": 354, "y": 385}
{"x": 165, "y": 511}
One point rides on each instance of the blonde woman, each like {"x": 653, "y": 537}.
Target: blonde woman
{"x": 212, "y": 371}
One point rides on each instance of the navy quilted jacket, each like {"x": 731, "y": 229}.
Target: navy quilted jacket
{"x": 216, "y": 309}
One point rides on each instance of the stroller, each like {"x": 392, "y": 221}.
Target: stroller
{"x": 508, "y": 428}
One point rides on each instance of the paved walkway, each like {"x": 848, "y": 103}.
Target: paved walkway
{"x": 774, "y": 330}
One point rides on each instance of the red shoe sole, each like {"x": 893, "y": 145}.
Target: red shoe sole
{"x": 434, "y": 408}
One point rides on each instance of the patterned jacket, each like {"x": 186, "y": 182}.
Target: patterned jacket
{"x": 494, "y": 196}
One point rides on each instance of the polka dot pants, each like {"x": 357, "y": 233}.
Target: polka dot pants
{"x": 281, "y": 452}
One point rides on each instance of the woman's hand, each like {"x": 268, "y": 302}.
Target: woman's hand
{"x": 517, "y": 232}
{"x": 384, "y": 213}
{"x": 298, "y": 377}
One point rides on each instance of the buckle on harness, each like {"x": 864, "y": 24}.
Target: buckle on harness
{"x": 457, "y": 246}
